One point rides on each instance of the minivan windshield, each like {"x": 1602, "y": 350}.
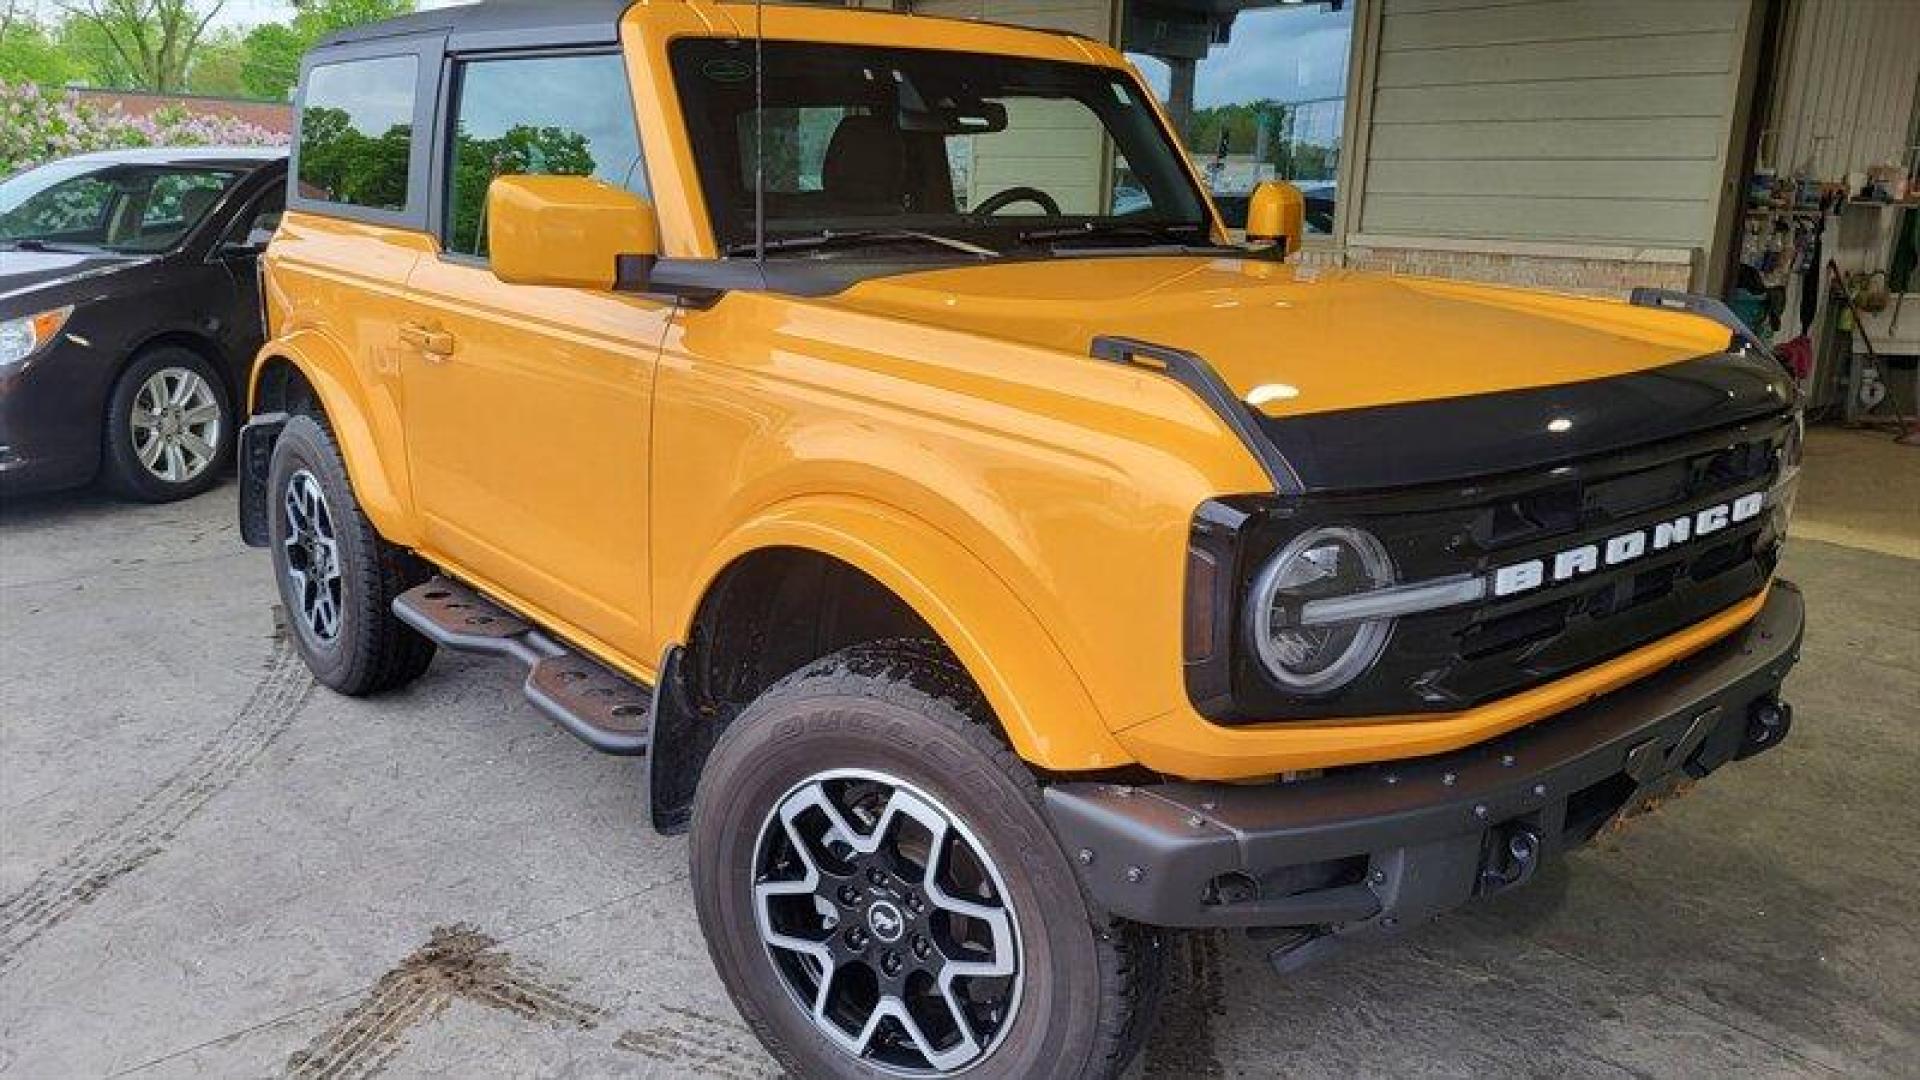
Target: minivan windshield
{"x": 92, "y": 205}
{"x": 957, "y": 155}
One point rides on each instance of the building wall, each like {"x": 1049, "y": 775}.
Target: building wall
{"x": 1579, "y": 145}
{"x": 1572, "y": 144}
{"x": 273, "y": 116}
{"x": 1845, "y": 94}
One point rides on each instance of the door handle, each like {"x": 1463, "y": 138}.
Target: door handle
{"x": 426, "y": 339}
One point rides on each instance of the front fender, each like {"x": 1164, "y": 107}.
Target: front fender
{"x": 364, "y": 416}
{"x": 1036, "y": 694}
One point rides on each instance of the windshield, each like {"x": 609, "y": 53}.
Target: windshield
{"x": 112, "y": 207}
{"x": 900, "y": 144}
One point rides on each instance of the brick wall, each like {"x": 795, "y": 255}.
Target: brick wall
{"x": 273, "y": 116}
{"x": 1589, "y": 271}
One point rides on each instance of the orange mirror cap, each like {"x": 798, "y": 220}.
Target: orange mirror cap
{"x": 571, "y": 231}
{"x": 1277, "y": 215}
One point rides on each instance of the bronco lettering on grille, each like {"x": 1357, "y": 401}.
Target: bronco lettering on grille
{"x": 1627, "y": 547}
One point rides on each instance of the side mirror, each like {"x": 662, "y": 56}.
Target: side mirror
{"x": 254, "y": 246}
{"x": 1277, "y": 217}
{"x": 569, "y": 231}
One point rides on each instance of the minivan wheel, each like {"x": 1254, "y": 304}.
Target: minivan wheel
{"x": 169, "y": 427}
{"x": 881, "y": 895}
{"x": 337, "y": 577}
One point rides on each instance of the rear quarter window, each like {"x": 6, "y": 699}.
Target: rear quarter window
{"x": 356, "y": 133}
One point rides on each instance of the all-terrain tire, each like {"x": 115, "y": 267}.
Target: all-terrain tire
{"x": 905, "y": 709}
{"x": 368, "y": 650}
{"x": 122, "y": 471}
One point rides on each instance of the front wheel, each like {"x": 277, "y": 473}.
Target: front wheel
{"x": 338, "y": 578}
{"x": 881, "y": 894}
{"x": 169, "y": 427}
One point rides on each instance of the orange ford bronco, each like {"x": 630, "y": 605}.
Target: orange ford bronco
{"x": 996, "y": 573}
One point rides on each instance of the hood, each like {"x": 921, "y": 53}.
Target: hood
{"x": 1325, "y": 340}
{"x": 1367, "y": 380}
{"x": 27, "y": 274}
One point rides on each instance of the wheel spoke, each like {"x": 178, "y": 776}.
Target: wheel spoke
{"x": 870, "y": 915}
{"x": 150, "y": 453}
{"x": 194, "y": 445}
{"x": 944, "y": 1060}
{"x": 204, "y": 413}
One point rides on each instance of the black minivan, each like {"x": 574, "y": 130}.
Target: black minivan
{"x": 129, "y": 316}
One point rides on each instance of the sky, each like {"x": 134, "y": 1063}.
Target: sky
{"x": 1297, "y": 55}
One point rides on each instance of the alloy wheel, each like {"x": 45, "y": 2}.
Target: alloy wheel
{"x": 888, "y": 923}
{"x": 176, "y": 425}
{"x": 312, "y": 552}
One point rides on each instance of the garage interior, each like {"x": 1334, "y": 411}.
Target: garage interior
{"x": 210, "y": 868}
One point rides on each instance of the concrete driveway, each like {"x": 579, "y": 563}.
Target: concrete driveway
{"x": 209, "y": 868}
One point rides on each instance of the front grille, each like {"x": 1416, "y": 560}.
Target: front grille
{"x": 1456, "y": 659}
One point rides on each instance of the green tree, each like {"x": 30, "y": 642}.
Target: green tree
{"x": 92, "y": 58}
{"x": 522, "y": 151}
{"x": 274, "y": 49}
{"x": 151, "y": 41}
{"x": 272, "y": 63}
{"x": 220, "y": 66}
{"x": 29, "y": 52}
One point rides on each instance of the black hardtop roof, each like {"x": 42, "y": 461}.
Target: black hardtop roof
{"x": 500, "y": 23}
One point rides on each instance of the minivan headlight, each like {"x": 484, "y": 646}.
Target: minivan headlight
{"x": 22, "y": 337}
{"x": 1311, "y": 655}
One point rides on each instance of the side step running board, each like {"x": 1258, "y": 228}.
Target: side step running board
{"x": 599, "y": 706}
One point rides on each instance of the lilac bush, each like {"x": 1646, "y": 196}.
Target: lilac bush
{"x": 37, "y": 126}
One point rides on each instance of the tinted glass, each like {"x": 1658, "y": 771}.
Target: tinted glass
{"x": 554, "y": 116}
{"x": 356, "y": 132}
{"x": 975, "y": 146}
{"x": 117, "y": 207}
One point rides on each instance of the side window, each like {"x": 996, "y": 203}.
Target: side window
{"x": 256, "y": 224}
{"x": 181, "y": 199}
{"x": 356, "y": 132}
{"x": 545, "y": 116}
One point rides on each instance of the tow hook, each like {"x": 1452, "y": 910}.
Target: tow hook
{"x": 1767, "y": 725}
{"x": 1515, "y": 857}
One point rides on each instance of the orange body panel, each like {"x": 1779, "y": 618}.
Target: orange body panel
{"x": 597, "y": 460}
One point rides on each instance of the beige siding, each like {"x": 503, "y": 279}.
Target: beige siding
{"x": 1583, "y": 121}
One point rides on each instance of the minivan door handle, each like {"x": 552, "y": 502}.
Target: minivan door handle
{"x": 426, "y": 339}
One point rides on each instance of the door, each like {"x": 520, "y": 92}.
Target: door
{"x": 528, "y": 409}
{"x": 238, "y": 249}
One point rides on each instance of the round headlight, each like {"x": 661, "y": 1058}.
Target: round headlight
{"x": 1322, "y": 564}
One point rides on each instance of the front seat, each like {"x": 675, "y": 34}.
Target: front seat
{"x": 195, "y": 202}
{"x": 873, "y": 169}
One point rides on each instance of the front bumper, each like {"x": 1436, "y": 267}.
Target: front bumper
{"x": 1371, "y": 849}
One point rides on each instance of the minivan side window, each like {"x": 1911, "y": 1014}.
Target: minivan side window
{"x": 537, "y": 116}
{"x": 356, "y": 132}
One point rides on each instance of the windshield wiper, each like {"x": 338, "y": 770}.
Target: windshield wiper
{"x": 1162, "y": 234}
{"x": 829, "y": 239}
{"x": 30, "y": 244}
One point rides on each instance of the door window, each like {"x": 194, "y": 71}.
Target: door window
{"x": 540, "y": 116}
{"x": 356, "y": 132}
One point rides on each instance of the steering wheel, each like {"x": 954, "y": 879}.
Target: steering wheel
{"x": 1034, "y": 195}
